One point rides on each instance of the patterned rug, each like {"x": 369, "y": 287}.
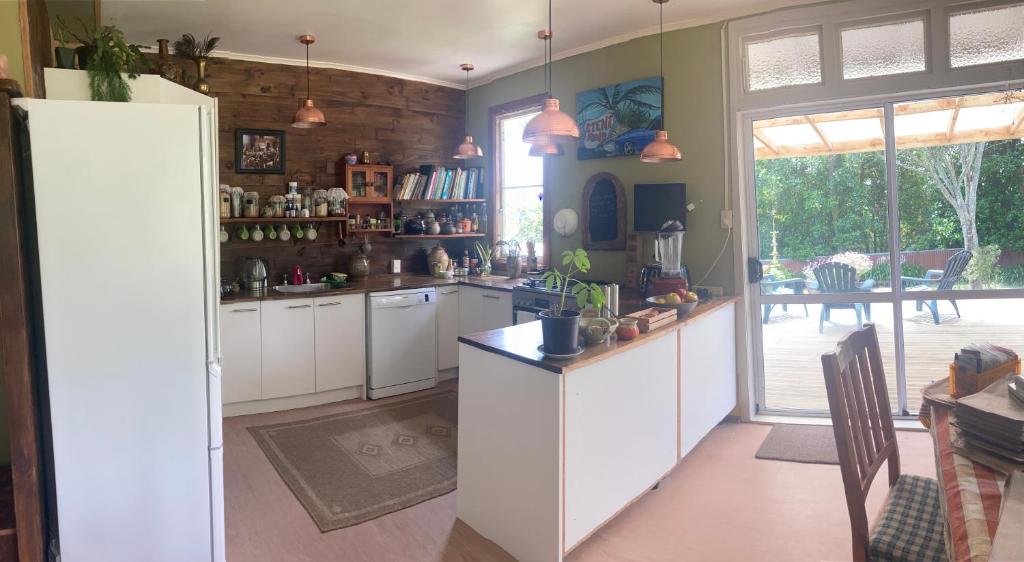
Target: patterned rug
{"x": 352, "y": 467}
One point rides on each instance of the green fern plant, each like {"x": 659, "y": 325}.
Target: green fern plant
{"x": 112, "y": 56}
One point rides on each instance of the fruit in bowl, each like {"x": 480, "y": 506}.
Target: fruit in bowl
{"x": 682, "y": 303}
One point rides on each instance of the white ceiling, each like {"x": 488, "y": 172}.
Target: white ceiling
{"x": 419, "y": 39}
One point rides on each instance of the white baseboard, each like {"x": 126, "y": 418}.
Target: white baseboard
{"x": 292, "y": 402}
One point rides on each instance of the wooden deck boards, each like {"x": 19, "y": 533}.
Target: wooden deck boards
{"x": 793, "y": 346}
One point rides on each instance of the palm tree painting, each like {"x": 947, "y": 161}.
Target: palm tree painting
{"x": 618, "y": 120}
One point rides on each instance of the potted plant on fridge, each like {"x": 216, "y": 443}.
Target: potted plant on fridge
{"x": 559, "y": 326}
{"x": 63, "y": 56}
{"x": 106, "y": 54}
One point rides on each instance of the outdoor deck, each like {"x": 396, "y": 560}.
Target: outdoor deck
{"x": 793, "y": 346}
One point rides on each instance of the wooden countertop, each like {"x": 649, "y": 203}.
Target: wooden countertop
{"x": 377, "y": 283}
{"x": 521, "y": 342}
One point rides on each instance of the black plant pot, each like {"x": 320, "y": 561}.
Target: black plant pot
{"x": 84, "y": 53}
{"x": 561, "y": 332}
{"x": 64, "y": 57}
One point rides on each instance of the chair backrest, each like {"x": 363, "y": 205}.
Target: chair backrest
{"x": 862, "y": 422}
{"x": 835, "y": 277}
{"x": 955, "y": 266}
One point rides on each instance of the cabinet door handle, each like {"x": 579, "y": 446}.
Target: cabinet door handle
{"x": 300, "y": 306}
{"x": 493, "y": 297}
{"x": 244, "y": 310}
{"x": 329, "y": 304}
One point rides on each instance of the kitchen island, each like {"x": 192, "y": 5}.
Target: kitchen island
{"x": 551, "y": 450}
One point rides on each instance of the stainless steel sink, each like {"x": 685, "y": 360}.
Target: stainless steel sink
{"x": 307, "y": 288}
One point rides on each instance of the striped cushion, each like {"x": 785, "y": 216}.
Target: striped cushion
{"x": 912, "y": 525}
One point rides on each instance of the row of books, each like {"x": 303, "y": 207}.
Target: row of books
{"x": 438, "y": 182}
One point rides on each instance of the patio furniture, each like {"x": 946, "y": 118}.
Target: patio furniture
{"x": 912, "y": 525}
{"x": 939, "y": 280}
{"x": 837, "y": 278}
{"x": 793, "y": 286}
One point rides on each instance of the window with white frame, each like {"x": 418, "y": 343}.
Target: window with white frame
{"x": 520, "y": 183}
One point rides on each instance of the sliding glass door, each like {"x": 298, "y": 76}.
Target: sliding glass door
{"x": 907, "y": 214}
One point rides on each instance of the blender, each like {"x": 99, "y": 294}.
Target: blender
{"x": 667, "y": 274}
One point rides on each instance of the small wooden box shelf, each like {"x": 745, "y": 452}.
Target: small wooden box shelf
{"x": 367, "y": 183}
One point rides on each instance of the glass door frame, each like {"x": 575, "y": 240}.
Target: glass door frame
{"x": 895, "y": 297}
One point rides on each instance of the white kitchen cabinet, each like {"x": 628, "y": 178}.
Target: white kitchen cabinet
{"x": 483, "y": 309}
{"x": 470, "y": 310}
{"x": 497, "y": 309}
{"x": 448, "y": 313}
{"x": 340, "y": 341}
{"x": 240, "y": 351}
{"x": 707, "y": 375}
{"x": 287, "y": 336}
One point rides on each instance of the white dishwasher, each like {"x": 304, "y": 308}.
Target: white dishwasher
{"x": 401, "y": 342}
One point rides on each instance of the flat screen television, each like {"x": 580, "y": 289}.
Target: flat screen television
{"x": 654, "y": 204}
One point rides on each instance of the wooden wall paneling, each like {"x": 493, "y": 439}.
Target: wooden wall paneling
{"x": 406, "y": 123}
{"x": 15, "y": 342}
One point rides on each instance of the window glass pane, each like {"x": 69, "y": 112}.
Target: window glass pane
{"x": 784, "y": 61}
{"x": 960, "y": 194}
{"x": 522, "y": 208}
{"x": 822, "y": 205}
{"x": 794, "y": 344}
{"x": 986, "y": 36}
{"x": 929, "y": 347}
{"x": 523, "y": 216}
{"x": 518, "y": 168}
{"x": 879, "y": 50}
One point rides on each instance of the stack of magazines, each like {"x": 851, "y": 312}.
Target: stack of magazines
{"x": 1016, "y": 389}
{"x": 991, "y": 428}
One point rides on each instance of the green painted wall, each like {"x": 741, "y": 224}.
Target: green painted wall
{"x": 10, "y": 40}
{"x": 695, "y": 115}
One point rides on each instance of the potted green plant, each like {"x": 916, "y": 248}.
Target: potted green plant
{"x": 484, "y": 251}
{"x": 107, "y": 54}
{"x": 559, "y": 326}
{"x": 198, "y": 51}
{"x": 63, "y": 55}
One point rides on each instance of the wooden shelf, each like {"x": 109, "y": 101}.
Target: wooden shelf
{"x": 280, "y": 220}
{"x": 360, "y": 230}
{"x": 369, "y": 201}
{"x": 438, "y": 236}
{"x": 438, "y": 201}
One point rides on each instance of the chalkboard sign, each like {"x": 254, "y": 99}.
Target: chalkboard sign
{"x": 604, "y": 213}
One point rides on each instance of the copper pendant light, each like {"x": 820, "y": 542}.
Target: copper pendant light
{"x": 546, "y": 150}
{"x": 551, "y": 125}
{"x": 660, "y": 150}
{"x": 308, "y": 116}
{"x": 468, "y": 149}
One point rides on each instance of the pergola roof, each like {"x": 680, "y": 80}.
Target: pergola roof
{"x": 984, "y": 117}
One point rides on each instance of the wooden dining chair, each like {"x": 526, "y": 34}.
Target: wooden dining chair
{"x": 911, "y": 525}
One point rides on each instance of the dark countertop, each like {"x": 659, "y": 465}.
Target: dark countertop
{"x": 520, "y": 342}
{"x": 377, "y": 283}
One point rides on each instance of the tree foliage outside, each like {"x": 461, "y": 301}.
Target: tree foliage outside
{"x": 957, "y": 196}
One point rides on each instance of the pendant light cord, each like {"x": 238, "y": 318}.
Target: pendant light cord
{"x": 307, "y": 71}
{"x": 551, "y": 53}
{"x": 661, "y": 60}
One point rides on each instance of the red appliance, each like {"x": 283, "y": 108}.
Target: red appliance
{"x": 297, "y": 277}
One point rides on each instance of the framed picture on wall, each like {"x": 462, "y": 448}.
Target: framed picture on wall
{"x": 259, "y": 151}
{"x": 618, "y": 120}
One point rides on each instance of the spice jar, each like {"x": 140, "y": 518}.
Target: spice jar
{"x": 236, "y": 201}
{"x": 251, "y": 204}
{"x": 320, "y": 202}
{"x": 627, "y": 329}
{"x": 225, "y": 202}
{"x": 277, "y": 206}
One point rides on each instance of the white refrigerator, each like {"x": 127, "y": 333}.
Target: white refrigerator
{"x": 122, "y": 197}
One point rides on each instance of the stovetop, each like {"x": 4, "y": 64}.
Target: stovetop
{"x": 537, "y": 285}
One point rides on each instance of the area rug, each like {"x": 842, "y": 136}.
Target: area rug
{"x": 352, "y": 467}
{"x": 815, "y": 444}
